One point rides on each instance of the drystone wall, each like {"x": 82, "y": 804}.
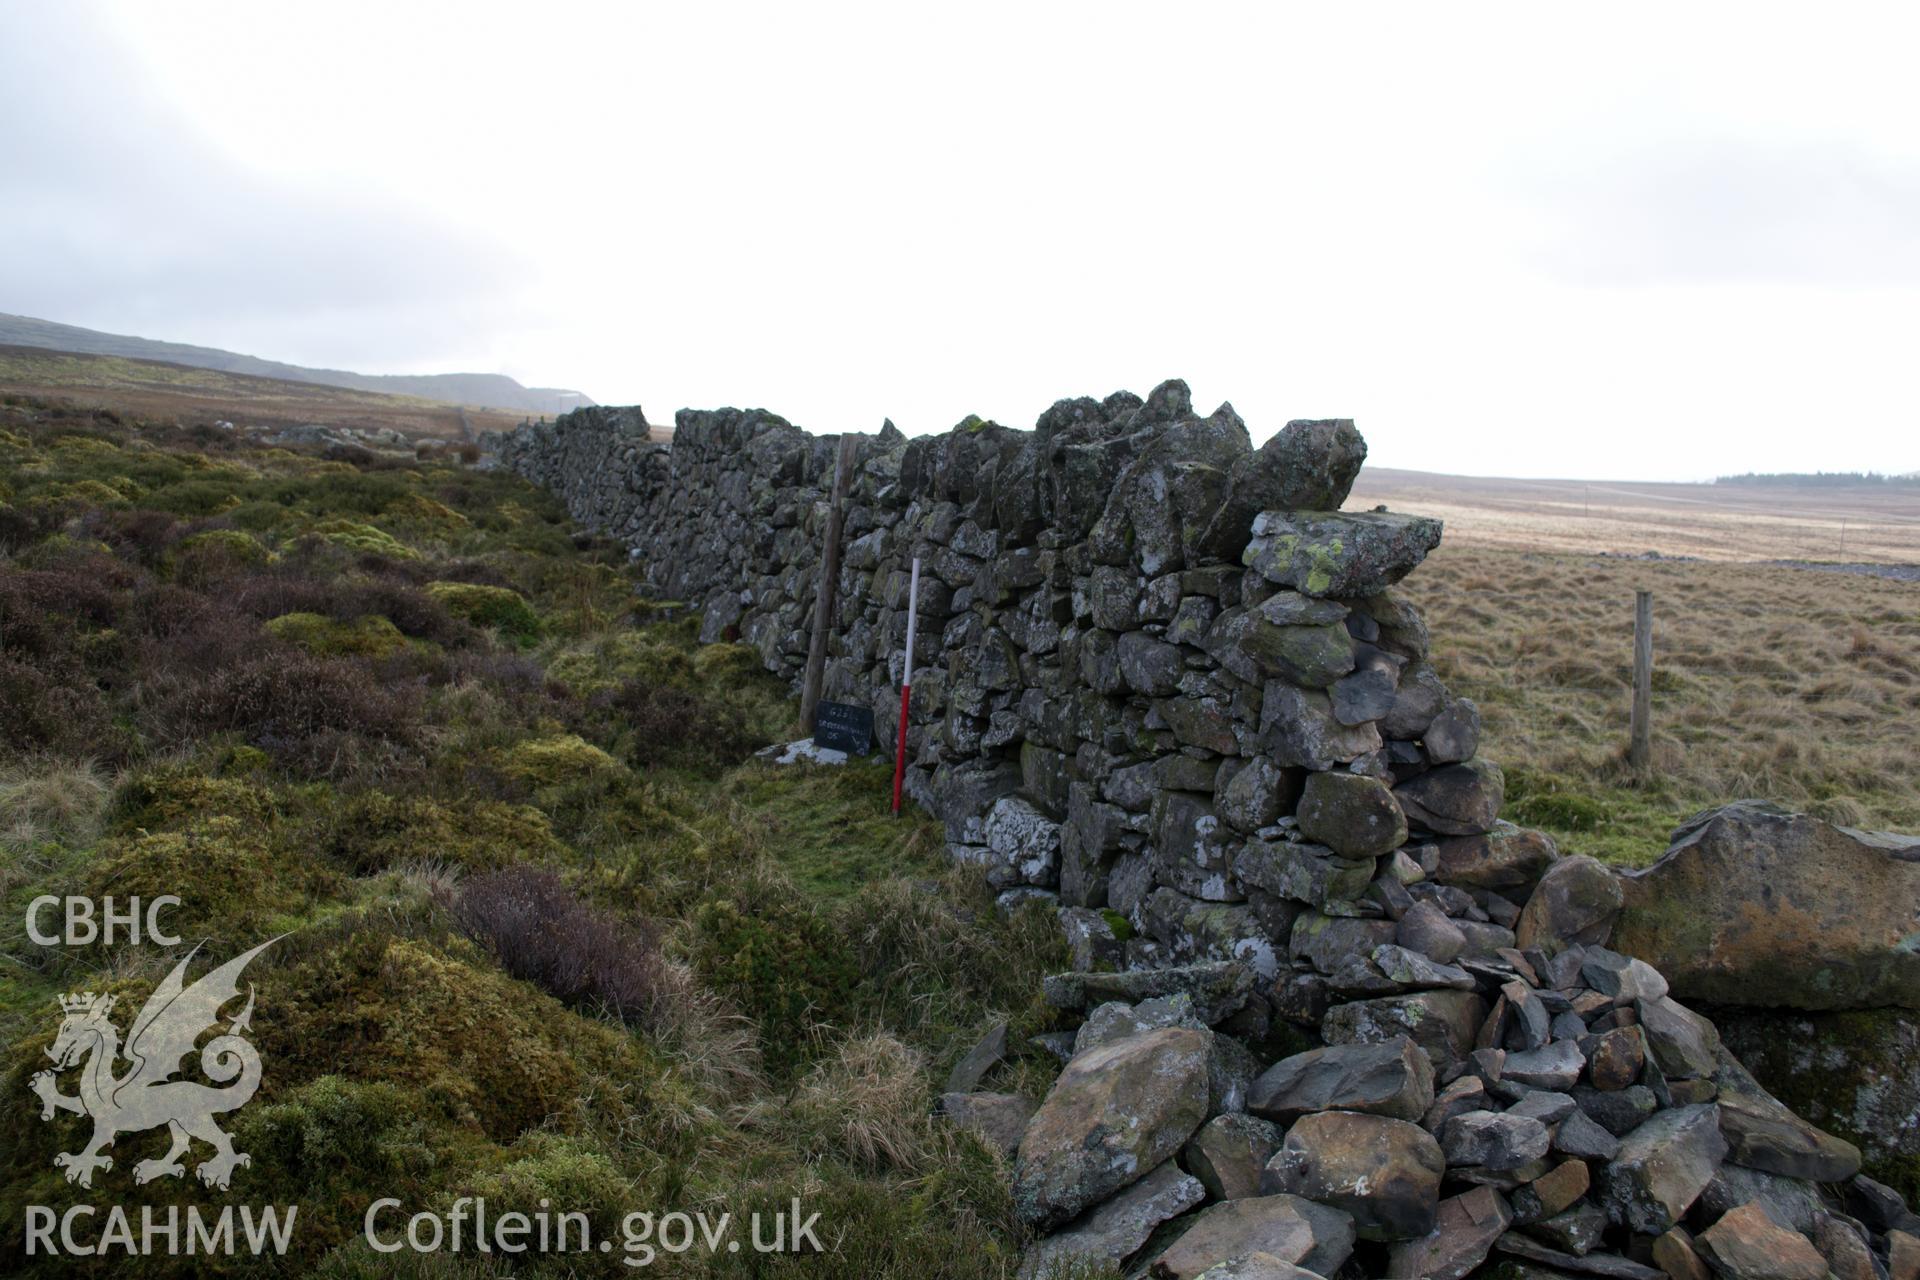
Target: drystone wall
{"x": 1145, "y": 645}
{"x": 1168, "y": 686}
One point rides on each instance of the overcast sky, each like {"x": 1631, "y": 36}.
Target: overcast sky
{"x": 1649, "y": 241}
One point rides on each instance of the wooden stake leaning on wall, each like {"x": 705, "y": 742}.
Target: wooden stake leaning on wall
{"x": 823, "y": 597}
{"x": 906, "y": 686}
{"x": 1640, "y": 744}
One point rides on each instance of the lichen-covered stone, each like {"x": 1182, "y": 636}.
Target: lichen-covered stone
{"x": 1339, "y": 554}
{"x": 1662, "y": 1167}
{"x": 1109, "y": 1234}
{"x": 1287, "y": 1228}
{"x": 1443, "y": 1023}
{"x": 1457, "y": 800}
{"x": 1257, "y": 794}
{"x": 1114, "y": 1114}
{"x": 1355, "y": 816}
{"x": 1392, "y": 1078}
{"x": 1230, "y": 1152}
{"x": 1384, "y": 1173}
{"x": 1299, "y": 728}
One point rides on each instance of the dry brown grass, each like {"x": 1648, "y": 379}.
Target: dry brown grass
{"x": 1879, "y": 523}
{"x": 51, "y": 800}
{"x": 868, "y": 1099}
{"x": 1789, "y": 684}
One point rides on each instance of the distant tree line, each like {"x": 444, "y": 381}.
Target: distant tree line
{"x": 1833, "y": 478}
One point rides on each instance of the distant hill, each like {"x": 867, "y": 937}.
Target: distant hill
{"x": 484, "y": 390}
{"x": 155, "y": 389}
{"x": 1817, "y": 479}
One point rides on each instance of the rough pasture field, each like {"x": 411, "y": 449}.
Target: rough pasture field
{"x": 1797, "y": 683}
{"x": 1875, "y": 523}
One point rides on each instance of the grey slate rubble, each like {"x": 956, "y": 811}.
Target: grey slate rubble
{"x": 1167, "y": 685}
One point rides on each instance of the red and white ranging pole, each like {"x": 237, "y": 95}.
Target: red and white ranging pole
{"x": 906, "y": 685}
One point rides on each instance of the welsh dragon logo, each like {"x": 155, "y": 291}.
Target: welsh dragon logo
{"x": 147, "y": 1096}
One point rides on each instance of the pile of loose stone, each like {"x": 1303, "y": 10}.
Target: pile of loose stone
{"x": 1483, "y": 1102}
{"x": 1338, "y": 1018}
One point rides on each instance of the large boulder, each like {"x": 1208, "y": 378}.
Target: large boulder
{"x": 1115, "y": 1113}
{"x": 1662, "y": 1167}
{"x": 1456, "y": 800}
{"x": 1444, "y": 1023}
{"x": 1316, "y": 1237}
{"x": 1575, "y": 904}
{"x": 1339, "y": 554}
{"x": 1756, "y": 905}
{"x": 1107, "y": 1235}
{"x": 1385, "y": 1173}
{"x": 1354, "y": 815}
{"x": 1393, "y": 1078}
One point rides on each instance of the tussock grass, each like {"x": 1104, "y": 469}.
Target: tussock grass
{"x": 54, "y": 800}
{"x": 868, "y": 1098}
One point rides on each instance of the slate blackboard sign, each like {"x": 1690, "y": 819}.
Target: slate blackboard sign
{"x": 844, "y": 727}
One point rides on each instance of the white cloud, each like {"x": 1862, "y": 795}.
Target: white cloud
{"x": 1507, "y": 239}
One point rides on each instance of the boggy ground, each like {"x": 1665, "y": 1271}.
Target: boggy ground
{"x": 1769, "y": 681}
{"x": 550, "y": 932}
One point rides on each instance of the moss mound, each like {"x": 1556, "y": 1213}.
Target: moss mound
{"x": 234, "y": 885}
{"x": 363, "y": 539}
{"x": 368, "y": 636}
{"x": 786, "y": 965}
{"x": 609, "y": 660}
{"x": 501, "y": 608}
{"x": 483, "y": 1051}
{"x": 556, "y": 761}
{"x": 374, "y": 831}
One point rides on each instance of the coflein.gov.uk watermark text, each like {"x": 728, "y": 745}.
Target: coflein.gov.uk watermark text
{"x": 469, "y": 1225}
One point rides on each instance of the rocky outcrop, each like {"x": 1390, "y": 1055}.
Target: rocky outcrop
{"x": 1755, "y": 905}
{"x": 1851, "y": 1072}
{"x": 1805, "y": 939}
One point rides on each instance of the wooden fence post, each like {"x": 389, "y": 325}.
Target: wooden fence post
{"x": 1640, "y": 745}
{"x": 823, "y": 598}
